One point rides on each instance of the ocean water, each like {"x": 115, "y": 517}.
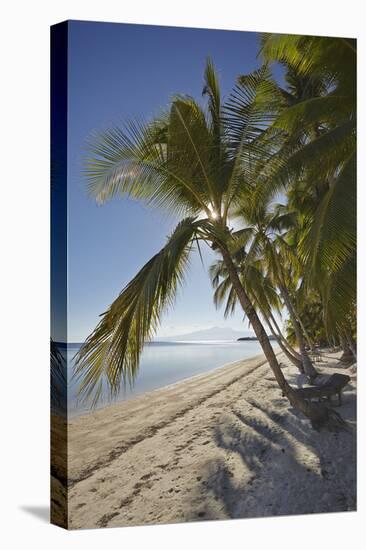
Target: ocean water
{"x": 164, "y": 363}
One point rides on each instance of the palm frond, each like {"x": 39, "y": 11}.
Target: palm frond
{"x": 133, "y": 161}
{"x": 111, "y": 353}
{"x": 321, "y": 156}
{"x": 331, "y": 238}
{"x": 250, "y": 107}
{"x": 328, "y": 110}
{"x": 190, "y": 137}
{"x": 212, "y": 90}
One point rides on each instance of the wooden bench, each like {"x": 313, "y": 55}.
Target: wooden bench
{"x": 333, "y": 386}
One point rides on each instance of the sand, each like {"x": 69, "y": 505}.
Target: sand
{"x": 221, "y": 445}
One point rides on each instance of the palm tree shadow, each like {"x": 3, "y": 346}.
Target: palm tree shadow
{"x": 272, "y": 472}
{"x": 40, "y": 512}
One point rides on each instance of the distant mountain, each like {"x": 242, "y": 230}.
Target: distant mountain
{"x": 214, "y": 333}
{"x": 250, "y": 338}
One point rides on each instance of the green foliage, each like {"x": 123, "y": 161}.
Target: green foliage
{"x": 312, "y": 316}
{"x": 229, "y": 159}
{"x": 319, "y": 154}
{"x": 258, "y": 286}
{"x": 111, "y": 353}
{"x": 184, "y": 161}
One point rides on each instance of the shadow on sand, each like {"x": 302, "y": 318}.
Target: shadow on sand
{"x": 274, "y": 464}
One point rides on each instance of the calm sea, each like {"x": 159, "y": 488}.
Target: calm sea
{"x": 164, "y": 363}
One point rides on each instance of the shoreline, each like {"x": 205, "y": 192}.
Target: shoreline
{"x": 213, "y": 446}
{"x": 143, "y": 415}
{"x": 168, "y": 386}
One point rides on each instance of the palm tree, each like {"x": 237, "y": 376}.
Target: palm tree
{"x": 260, "y": 290}
{"x": 320, "y": 151}
{"x": 311, "y": 313}
{"x": 195, "y": 164}
{"x": 264, "y": 233}
{"x": 337, "y": 318}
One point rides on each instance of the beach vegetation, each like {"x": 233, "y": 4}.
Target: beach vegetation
{"x": 228, "y": 160}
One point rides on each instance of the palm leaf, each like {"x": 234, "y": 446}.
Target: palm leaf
{"x": 133, "y": 161}
{"x": 111, "y": 353}
{"x": 330, "y": 240}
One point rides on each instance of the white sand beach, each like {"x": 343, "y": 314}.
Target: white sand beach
{"x": 220, "y": 445}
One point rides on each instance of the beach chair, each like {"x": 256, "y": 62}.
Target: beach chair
{"x": 333, "y": 386}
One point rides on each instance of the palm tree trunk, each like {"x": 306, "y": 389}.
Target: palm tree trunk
{"x": 305, "y": 332}
{"x": 352, "y": 347}
{"x": 279, "y": 336}
{"x": 284, "y": 340}
{"x": 347, "y": 356}
{"x": 289, "y": 355}
{"x": 349, "y": 350}
{"x": 318, "y": 414}
{"x": 307, "y": 364}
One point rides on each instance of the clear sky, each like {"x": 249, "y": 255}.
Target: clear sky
{"x": 118, "y": 72}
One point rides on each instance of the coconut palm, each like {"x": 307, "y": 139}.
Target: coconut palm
{"x": 311, "y": 313}
{"x": 264, "y": 233}
{"x": 323, "y": 160}
{"x": 189, "y": 161}
{"x": 337, "y": 317}
{"x": 260, "y": 290}
{"x": 300, "y": 89}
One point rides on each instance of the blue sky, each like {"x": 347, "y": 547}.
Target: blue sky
{"x": 119, "y": 72}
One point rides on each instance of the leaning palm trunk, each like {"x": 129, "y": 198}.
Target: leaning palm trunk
{"x": 302, "y": 326}
{"x": 351, "y": 344}
{"x": 347, "y": 356}
{"x": 318, "y": 414}
{"x": 279, "y": 336}
{"x": 284, "y": 340}
{"x": 352, "y": 348}
{"x": 289, "y": 355}
{"x": 309, "y": 369}
{"x": 349, "y": 350}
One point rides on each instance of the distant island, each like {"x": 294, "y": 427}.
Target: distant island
{"x": 251, "y": 338}
{"x": 210, "y": 334}
{"x": 213, "y": 333}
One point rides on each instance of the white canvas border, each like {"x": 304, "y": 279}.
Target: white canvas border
{"x": 25, "y": 269}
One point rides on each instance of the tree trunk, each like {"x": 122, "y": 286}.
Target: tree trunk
{"x": 318, "y": 414}
{"x": 307, "y": 364}
{"x": 351, "y": 345}
{"x": 305, "y": 332}
{"x": 353, "y": 349}
{"x": 297, "y": 362}
{"x": 279, "y": 337}
{"x": 284, "y": 340}
{"x": 348, "y": 355}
